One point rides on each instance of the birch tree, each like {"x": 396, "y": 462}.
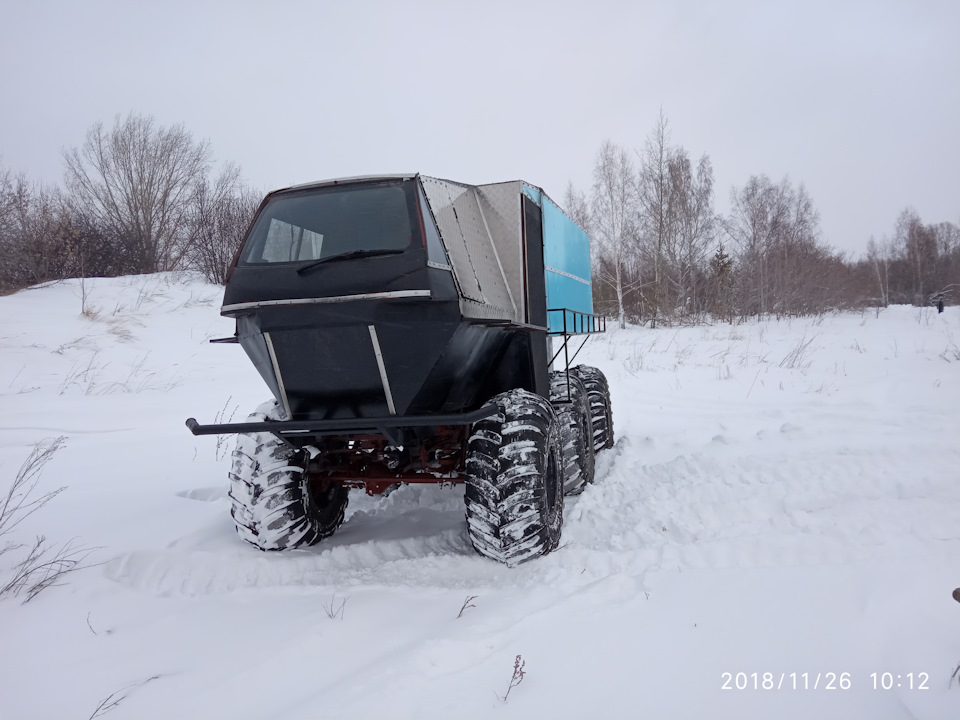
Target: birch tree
{"x": 656, "y": 219}
{"x": 577, "y": 207}
{"x": 694, "y": 224}
{"x": 612, "y": 212}
{"x": 759, "y": 211}
{"x": 918, "y": 244}
{"x": 879, "y": 256}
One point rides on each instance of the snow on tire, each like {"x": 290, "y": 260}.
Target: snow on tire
{"x": 273, "y": 504}
{"x": 572, "y": 404}
{"x": 601, "y": 410}
{"x": 514, "y": 479}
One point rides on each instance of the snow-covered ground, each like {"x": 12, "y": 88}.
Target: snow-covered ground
{"x": 783, "y": 498}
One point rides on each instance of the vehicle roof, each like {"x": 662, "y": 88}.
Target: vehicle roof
{"x": 352, "y": 179}
{"x": 399, "y": 176}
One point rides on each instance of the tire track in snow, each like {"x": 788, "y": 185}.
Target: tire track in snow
{"x": 722, "y": 506}
{"x": 699, "y": 510}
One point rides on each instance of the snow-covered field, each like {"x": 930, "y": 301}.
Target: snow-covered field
{"x": 783, "y": 499}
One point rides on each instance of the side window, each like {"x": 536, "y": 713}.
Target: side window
{"x": 435, "y": 251}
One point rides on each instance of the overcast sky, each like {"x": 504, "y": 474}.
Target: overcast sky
{"x": 860, "y": 101}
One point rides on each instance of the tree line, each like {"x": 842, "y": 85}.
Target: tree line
{"x": 142, "y": 198}
{"x": 663, "y": 255}
{"x": 137, "y": 198}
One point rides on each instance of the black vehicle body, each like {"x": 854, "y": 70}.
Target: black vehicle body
{"x": 402, "y": 324}
{"x": 383, "y": 336}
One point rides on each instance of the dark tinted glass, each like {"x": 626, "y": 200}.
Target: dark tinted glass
{"x": 315, "y": 224}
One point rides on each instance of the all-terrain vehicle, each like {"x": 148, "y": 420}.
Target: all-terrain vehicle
{"x": 407, "y": 327}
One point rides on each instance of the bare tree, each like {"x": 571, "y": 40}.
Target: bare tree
{"x": 948, "y": 238}
{"x": 947, "y": 276}
{"x": 796, "y": 255}
{"x": 41, "y": 255}
{"x": 721, "y": 271}
{"x": 783, "y": 267}
{"x": 7, "y": 194}
{"x": 221, "y": 213}
{"x": 918, "y": 263}
{"x": 12, "y": 192}
{"x": 136, "y": 181}
{"x": 879, "y": 256}
{"x": 32, "y": 247}
{"x": 918, "y": 244}
{"x": 691, "y": 203}
{"x": 577, "y": 207}
{"x": 759, "y": 212}
{"x": 613, "y": 208}
{"x": 657, "y": 220}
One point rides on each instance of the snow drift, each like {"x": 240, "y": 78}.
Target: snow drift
{"x": 783, "y": 500}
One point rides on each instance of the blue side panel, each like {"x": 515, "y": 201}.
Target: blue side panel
{"x": 573, "y": 295}
{"x": 566, "y": 256}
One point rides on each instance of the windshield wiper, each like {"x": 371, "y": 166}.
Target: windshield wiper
{"x": 349, "y": 255}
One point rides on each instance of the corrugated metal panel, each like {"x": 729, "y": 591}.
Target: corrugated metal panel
{"x": 482, "y": 231}
{"x": 483, "y": 254}
{"x": 442, "y": 196}
{"x": 468, "y": 238}
{"x": 501, "y": 207}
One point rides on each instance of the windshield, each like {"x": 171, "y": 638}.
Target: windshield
{"x": 316, "y": 224}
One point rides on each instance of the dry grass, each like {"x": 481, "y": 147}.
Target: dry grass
{"x": 39, "y": 565}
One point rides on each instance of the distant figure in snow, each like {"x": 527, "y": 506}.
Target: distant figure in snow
{"x": 940, "y": 305}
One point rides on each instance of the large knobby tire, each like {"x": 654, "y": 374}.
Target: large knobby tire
{"x": 572, "y": 404}
{"x": 514, "y": 480}
{"x": 601, "y": 410}
{"x": 274, "y": 506}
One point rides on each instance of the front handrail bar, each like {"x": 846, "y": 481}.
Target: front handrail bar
{"x": 580, "y": 323}
{"x": 342, "y": 425}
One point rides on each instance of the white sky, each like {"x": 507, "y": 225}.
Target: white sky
{"x": 860, "y": 101}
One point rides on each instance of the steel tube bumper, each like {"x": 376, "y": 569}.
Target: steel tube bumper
{"x": 342, "y": 426}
